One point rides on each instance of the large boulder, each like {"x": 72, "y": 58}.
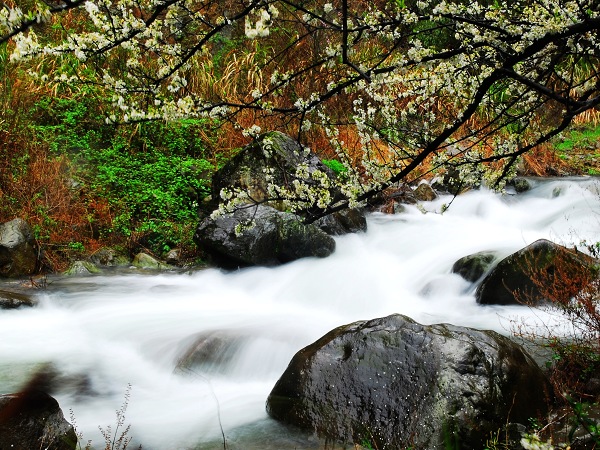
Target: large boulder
{"x": 34, "y": 420}
{"x": 260, "y": 235}
{"x": 273, "y": 159}
{"x": 18, "y": 250}
{"x": 397, "y": 384}
{"x": 535, "y": 273}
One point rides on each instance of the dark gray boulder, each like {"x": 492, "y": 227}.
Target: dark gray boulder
{"x": 273, "y": 158}
{"x": 33, "y": 420}
{"x": 260, "y": 235}
{"x": 18, "y": 249}
{"x": 247, "y": 170}
{"x": 473, "y": 267}
{"x": 396, "y": 384}
{"x": 531, "y": 275}
{"x": 343, "y": 222}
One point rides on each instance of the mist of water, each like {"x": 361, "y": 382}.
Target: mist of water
{"x": 101, "y": 333}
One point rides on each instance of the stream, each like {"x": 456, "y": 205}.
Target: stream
{"x": 100, "y": 334}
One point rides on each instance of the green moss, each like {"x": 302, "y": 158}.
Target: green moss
{"x": 584, "y": 138}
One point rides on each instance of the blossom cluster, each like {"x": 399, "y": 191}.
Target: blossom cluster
{"x": 452, "y": 84}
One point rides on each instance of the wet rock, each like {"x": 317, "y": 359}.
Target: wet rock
{"x": 108, "y": 257}
{"x": 343, "y": 222}
{"x": 13, "y": 300}
{"x": 425, "y": 193}
{"x": 260, "y": 235}
{"x": 145, "y": 261}
{"x": 521, "y": 184}
{"x": 18, "y": 250}
{"x": 472, "y": 267}
{"x": 529, "y": 275}
{"x": 396, "y": 384}
{"x": 82, "y": 268}
{"x": 33, "y": 420}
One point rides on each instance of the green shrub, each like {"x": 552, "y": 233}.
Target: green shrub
{"x": 154, "y": 195}
{"x": 337, "y": 167}
{"x": 152, "y": 175}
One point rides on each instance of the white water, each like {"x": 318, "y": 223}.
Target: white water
{"x": 115, "y": 330}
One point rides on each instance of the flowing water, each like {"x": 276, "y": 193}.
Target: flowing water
{"x": 99, "y": 334}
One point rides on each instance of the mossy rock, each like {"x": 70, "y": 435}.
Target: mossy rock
{"x": 82, "y": 268}
{"x": 473, "y": 267}
{"x": 260, "y": 235}
{"x": 145, "y": 261}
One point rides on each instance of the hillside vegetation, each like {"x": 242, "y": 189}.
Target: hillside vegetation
{"x": 116, "y": 113}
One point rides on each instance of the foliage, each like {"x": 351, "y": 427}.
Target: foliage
{"x": 385, "y": 91}
{"x": 574, "y": 339}
{"x": 150, "y": 177}
{"x": 579, "y": 148}
{"x": 337, "y": 167}
{"x": 50, "y": 138}
{"x": 586, "y": 137}
{"x": 154, "y": 191}
{"x": 534, "y": 442}
{"x": 118, "y": 439}
{"x": 418, "y": 86}
{"x": 581, "y": 420}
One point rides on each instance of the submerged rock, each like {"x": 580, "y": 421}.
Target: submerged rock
{"x": 521, "y": 184}
{"x": 396, "y": 384}
{"x": 33, "y": 420}
{"x": 211, "y": 351}
{"x": 534, "y": 273}
{"x": 260, "y": 235}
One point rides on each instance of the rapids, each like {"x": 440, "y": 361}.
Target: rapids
{"x": 100, "y": 334}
